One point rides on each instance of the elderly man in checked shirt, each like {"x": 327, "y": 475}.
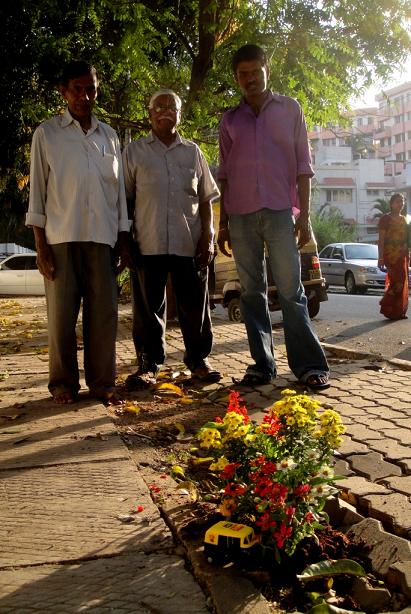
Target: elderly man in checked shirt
{"x": 78, "y": 212}
{"x": 265, "y": 171}
{"x": 170, "y": 188}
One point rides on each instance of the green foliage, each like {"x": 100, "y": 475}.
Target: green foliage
{"x": 320, "y": 53}
{"x": 329, "y": 227}
{"x": 382, "y": 206}
{"x": 326, "y": 569}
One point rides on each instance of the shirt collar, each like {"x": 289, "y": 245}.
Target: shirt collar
{"x": 152, "y": 138}
{"x": 68, "y": 119}
{"x": 271, "y": 97}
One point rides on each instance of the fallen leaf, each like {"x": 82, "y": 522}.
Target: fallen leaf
{"x": 188, "y": 488}
{"x": 177, "y": 471}
{"x": 170, "y": 387}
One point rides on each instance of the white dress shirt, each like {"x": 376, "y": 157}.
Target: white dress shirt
{"x": 168, "y": 184}
{"x": 76, "y": 182}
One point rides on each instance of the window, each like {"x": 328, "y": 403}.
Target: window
{"x": 339, "y": 196}
{"x": 398, "y": 119}
{"x": 359, "y": 121}
{"x": 370, "y": 121}
{"x": 361, "y": 252}
{"x": 373, "y": 192}
{"x": 409, "y": 115}
{"x": 326, "y": 252}
{"x": 338, "y": 252}
{"x": 409, "y": 135}
{"x": 409, "y": 154}
{"x": 399, "y": 156}
{"x": 399, "y": 138}
{"x": 382, "y": 142}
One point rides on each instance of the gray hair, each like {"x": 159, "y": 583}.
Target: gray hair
{"x": 165, "y": 92}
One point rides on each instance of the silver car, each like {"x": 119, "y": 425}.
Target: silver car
{"x": 353, "y": 265}
{"x": 19, "y": 275}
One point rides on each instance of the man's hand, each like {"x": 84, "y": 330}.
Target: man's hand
{"x": 222, "y": 239}
{"x": 123, "y": 252}
{"x": 205, "y": 250}
{"x": 45, "y": 261}
{"x": 303, "y": 231}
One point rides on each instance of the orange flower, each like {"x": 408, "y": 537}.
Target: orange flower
{"x": 228, "y": 507}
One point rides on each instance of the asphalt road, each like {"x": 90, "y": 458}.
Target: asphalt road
{"x": 355, "y": 322}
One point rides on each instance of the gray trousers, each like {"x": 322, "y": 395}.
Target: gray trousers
{"x": 84, "y": 270}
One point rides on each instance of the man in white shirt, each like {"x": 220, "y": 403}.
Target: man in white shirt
{"x": 78, "y": 212}
{"x": 170, "y": 187}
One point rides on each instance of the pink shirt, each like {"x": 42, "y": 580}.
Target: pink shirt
{"x": 262, "y": 156}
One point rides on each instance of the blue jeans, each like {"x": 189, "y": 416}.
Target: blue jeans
{"x": 274, "y": 230}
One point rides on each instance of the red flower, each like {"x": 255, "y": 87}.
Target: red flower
{"x": 229, "y": 471}
{"x": 309, "y": 517}
{"x": 154, "y": 488}
{"x": 268, "y": 468}
{"x": 139, "y": 508}
{"x": 282, "y": 535}
{"x": 234, "y": 406}
{"x": 266, "y": 522}
{"x": 218, "y": 420}
{"x": 302, "y": 490}
{"x": 234, "y": 490}
{"x": 274, "y": 423}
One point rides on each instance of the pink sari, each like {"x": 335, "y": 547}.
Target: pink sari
{"x": 394, "y": 303}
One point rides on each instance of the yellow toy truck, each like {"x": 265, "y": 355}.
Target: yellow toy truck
{"x": 230, "y": 542}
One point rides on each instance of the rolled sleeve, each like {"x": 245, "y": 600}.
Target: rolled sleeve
{"x": 124, "y": 224}
{"x": 39, "y": 173}
{"x": 208, "y": 189}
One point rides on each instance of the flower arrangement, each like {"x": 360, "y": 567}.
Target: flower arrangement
{"x": 275, "y": 475}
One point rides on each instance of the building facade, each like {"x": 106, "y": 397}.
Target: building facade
{"x": 367, "y": 159}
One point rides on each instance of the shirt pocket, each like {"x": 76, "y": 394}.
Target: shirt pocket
{"x": 108, "y": 167}
{"x": 189, "y": 181}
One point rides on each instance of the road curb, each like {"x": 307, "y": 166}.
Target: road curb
{"x": 343, "y": 352}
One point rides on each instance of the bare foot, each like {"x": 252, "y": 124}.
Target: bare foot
{"x": 64, "y": 398}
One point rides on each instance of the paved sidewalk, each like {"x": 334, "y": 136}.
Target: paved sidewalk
{"x": 69, "y": 487}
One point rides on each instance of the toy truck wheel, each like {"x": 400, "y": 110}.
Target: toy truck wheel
{"x": 233, "y": 308}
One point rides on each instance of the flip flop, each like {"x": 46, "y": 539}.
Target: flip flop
{"x": 205, "y": 374}
{"x": 252, "y": 379}
{"x": 313, "y": 381}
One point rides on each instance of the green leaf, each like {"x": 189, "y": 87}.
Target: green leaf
{"x": 326, "y": 608}
{"x": 331, "y": 568}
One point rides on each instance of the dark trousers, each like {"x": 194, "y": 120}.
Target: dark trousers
{"x": 149, "y": 282}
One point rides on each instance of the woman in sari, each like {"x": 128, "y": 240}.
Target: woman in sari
{"x": 393, "y": 256}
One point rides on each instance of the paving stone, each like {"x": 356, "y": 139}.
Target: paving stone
{"x": 354, "y": 487}
{"x": 349, "y": 446}
{"x": 341, "y": 467}
{"x": 359, "y": 432}
{"x": 382, "y": 548}
{"x": 132, "y": 583}
{"x": 394, "y": 510}
{"x": 74, "y": 511}
{"x": 400, "y": 484}
{"x": 399, "y": 574}
{"x": 372, "y": 466}
{"x": 391, "y": 449}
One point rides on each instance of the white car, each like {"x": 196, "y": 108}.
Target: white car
{"x": 353, "y": 265}
{"x": 19, "y": 275}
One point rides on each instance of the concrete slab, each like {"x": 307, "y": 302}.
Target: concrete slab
{"x": 77, "y": 511}
{"x": 134, "y": 583}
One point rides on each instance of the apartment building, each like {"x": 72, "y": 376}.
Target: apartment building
{"x": 367, "y": 158}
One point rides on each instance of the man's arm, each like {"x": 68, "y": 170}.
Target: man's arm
{"x": 45, "y": 258}
{"x": 303, "y": 225}
{"x": 205, "y": 245}
{"x": 223, "y": 229}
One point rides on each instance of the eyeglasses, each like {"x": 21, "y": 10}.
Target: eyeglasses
{"x": 164, "y": 107}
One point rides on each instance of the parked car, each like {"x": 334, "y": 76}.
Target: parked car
{"x": 353, "y": 265}
{"x": 227, "y": 286}
{"x": 19, "y": 275}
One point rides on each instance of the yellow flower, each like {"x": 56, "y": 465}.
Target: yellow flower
{"x": 228, "y": 507}
{"x": 219, "y": 464}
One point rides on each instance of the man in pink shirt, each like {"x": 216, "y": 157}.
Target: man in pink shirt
{"x": 265, "y": 174}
